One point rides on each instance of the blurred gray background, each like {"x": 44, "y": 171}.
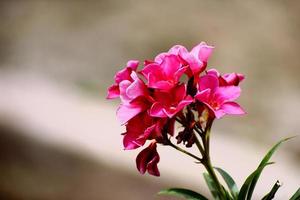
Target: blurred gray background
{"x": 59, "y": 136}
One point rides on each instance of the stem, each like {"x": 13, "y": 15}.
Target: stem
{"x": 207, "y": 162}
{"x": 185, "y": 152}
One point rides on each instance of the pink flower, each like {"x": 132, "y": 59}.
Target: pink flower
{"x": 168, "y": 104}
{"x": 148, "y": 159}
{"x": 227, "y": 79}
{"x": 220, "y": 100}
{"x": 164, "y": 75}
{"x": 124, "y": 74}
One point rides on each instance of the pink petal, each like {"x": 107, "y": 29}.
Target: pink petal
{"x": 126, "y": 112}
{"x": 113, "y": 92}
{"x": 208, "y": 81}
{"x": 159, "y": 84}
{"x": 227, "y": 93}
{"x": 170, "y": 65}
{"x": 219, "y": 113}
{"x": 157, "y": 110}
{"x": 150, "y": 68}
{"x": 232, "y": 108}
{"x": 123, "y": 87}
{"x": 213, "y": 72}
{"x": 170, "y": 112}
{"x": 136, "y": 89}
{"x": 203, "y": 96}
{"x": 180, "y": 92}
{"x": 122, "y": 75}
{"x": 133, "y": 64}
{"x": 136, "y": 138}
{"x": 195, "y": 64}
{"x": 202, "y": 51}
{"x": 160, "y": 57}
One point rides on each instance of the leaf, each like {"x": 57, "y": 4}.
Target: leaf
{"x": 245, "y": 187}
{"x": 184, "y": 193}
{"x": 263, "y": 164}
{"x": 249, "y": 185}
{"x": 234, "y": 191}
{"x": 271, "y": 194}
{"x": 296, "y": 196}
{"x": 211, "y": 185}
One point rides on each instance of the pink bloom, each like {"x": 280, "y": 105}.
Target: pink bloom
{"x": 147, "y": 160}
{"x": 124, "y": 74}
{"x": 227, "y": 79}
{"x": 220, "y": 100}
{"x": 168, "y": 104}
{"x": 164, "y": 75}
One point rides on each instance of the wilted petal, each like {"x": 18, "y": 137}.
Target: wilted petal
{"x": 147, "y": 160}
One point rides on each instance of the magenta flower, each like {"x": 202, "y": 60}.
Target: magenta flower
{"x": 220, "y": 100}
{"x": 164, "y": 75}
{"x": 147, "y": 160}
{"x": 124, "y": 74}
{"x": 168, "y": 104}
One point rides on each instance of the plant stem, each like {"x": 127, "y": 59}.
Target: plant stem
{"x": 185, "y": 152}
{"x": 207, "y": 162}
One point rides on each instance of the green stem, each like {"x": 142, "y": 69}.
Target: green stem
{"x": 207, "y": 162}
{"x": 185, "y": 152}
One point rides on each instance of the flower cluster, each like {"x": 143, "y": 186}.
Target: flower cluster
{"x": 174, "y": 87}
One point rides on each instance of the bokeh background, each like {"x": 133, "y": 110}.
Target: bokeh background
{"x": 59, "y": 136}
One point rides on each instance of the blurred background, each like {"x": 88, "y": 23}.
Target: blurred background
{"x": 59, "y": 136}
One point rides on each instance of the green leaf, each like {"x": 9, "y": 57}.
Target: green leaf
{"x": 296, "y": 196}
{"x": 250, "y": 183}
{"x": 234, "y": 191}
{"x": 184, "y": 193}
{"x": 273, "y": 191}
{"x": 211, "y": 185}
{"x": 262, "y": 164}
{"x": 245, "y": 187}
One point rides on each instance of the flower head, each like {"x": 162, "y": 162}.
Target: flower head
{"x": 157, "y": 96}
{"x": 219, "y": 99}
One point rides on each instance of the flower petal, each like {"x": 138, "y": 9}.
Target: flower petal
{"x": 202, "y": 51}
{"x": 232, "y": 108}
{"x": 227, "y": 93}
{"x": 208, "y": 81}
{"x": 147, "y": 160}
{"x": 157, "y": 110}
{"x": 203, "y": 96}
{"x": 113, "y": 92}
